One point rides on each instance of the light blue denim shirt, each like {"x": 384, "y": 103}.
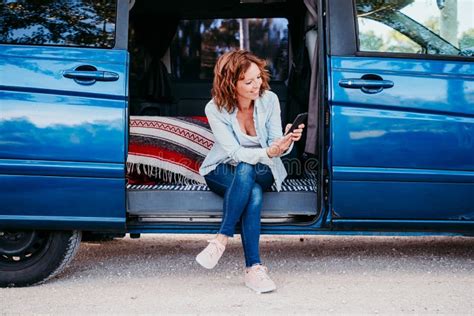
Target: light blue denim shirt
{"x": 227, "y": 148}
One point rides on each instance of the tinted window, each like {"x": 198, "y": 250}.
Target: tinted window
{"x": 443, "y": 27}
{"x": 67, "y": 22}
{"x": 198, "y": 44}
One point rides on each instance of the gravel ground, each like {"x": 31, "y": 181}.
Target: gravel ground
{"x": 316, "y": 274}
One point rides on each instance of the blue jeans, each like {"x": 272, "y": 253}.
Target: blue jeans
{"x": 242, "y": 188}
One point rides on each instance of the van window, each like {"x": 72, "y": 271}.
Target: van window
{"x": 198, "y": 43}
{"x": 88, "y": 23}
{"x": 416, "y": 27}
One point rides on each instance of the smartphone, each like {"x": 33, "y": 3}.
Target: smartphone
{"x": 301, "y": 118}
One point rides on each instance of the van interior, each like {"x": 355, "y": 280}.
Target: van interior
{"x": 173, "y": 49}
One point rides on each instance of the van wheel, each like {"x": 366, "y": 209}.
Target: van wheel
{"x": 32, "y": 257}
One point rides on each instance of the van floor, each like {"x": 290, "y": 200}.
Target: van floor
{"x": 297, "y": 197}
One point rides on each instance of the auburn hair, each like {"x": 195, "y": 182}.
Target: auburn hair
{"x": 230, "y": 68}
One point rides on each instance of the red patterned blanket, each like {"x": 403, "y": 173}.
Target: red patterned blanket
{"x": 170, "y": 149}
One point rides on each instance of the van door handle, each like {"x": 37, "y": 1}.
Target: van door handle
{"x": 90, "y": 76}
{"x": 367, "y": 86}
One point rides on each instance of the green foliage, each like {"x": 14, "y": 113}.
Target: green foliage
{"x": 370, "y": 42}
{"x": 433, "y": 24}
{"x": 467, "y": 39}
{"x": 399, "y": 43}
{"x": 56, "y": 22}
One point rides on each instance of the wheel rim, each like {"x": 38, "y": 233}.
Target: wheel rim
{"x": 20, "y": 249}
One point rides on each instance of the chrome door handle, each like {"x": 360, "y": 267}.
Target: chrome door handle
{"x": 360, "y": 83}
{"x": 366, "y": 85}
{"x": 87, "y": 75}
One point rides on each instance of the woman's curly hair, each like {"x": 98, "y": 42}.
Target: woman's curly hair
{"x": 229, "y": 69}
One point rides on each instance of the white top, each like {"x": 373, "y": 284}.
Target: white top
{"x": 247, "y": 140}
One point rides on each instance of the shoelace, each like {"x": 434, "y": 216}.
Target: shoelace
{"x": 261, "y": 273}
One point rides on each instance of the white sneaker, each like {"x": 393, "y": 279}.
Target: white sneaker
{"x": 256, "y": 278}
{"x": 209, "y": 257}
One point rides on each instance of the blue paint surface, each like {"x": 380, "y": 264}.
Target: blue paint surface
{"x": 406, "y": 152}
{"x": 62, "y": 143}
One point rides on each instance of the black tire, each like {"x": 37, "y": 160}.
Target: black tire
{"x": 33, "y": 257}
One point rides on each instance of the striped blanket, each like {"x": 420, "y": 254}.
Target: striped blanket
{"x": 170, "y": 149}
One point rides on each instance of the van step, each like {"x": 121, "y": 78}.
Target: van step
{"x": 171, "y": 203}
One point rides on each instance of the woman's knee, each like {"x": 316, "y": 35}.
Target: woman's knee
{"x": 244, "y": 169}
{"x": 256, "y": 195}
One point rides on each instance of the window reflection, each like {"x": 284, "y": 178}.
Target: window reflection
{"x": 416, "y": 26}
{"x": 58, "y": 22}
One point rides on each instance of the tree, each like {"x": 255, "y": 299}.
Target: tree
{"x": 369, "y": 41}
{"x": 398, "y": 43}
{"x": 449, "y": 22}
{"x": 467, "y": 39}
{"x": 433, "y": 24}
{"x": 53, "y": 22}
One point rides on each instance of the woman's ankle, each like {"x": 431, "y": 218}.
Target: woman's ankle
{"x": 222, "y": 239}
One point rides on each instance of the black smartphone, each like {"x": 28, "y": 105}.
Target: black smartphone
{"x": 300, "y": 118}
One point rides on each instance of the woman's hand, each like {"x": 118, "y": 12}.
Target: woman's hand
{"x": 296, "y": 134}
{"x": 279, "y": 146}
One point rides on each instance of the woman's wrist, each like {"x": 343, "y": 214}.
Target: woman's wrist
{"x": 273, "y": 151}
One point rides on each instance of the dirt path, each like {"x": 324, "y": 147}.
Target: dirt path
{"x": 341, "y": 275}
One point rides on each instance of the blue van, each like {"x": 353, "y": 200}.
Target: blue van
{"x": 102, "y": 119}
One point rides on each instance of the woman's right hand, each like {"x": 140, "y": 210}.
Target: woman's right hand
{"x": 279, "y": 146}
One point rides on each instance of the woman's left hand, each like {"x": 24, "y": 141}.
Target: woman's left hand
{"x": 296, "y": 134}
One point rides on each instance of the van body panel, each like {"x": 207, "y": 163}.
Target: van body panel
{"x": 61, "y": 168}
{"x": 403, "y": 139}
{"x": 47, "y": 126}
{"x": 427, "y": 86}
{"x": 405, "y": 152}
{"x": 43, "y": 67}
{"x": 407, "y": 200}
{"x": 399, "y": 174}
{"x": 58, "y": 202}
{"x": 63, "y": 141}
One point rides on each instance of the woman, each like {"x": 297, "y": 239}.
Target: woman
{"x": 245, "y": 160}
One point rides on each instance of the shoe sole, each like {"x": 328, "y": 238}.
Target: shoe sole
{"x": 260, "y": 291}
{"x": 203, "y": 264}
